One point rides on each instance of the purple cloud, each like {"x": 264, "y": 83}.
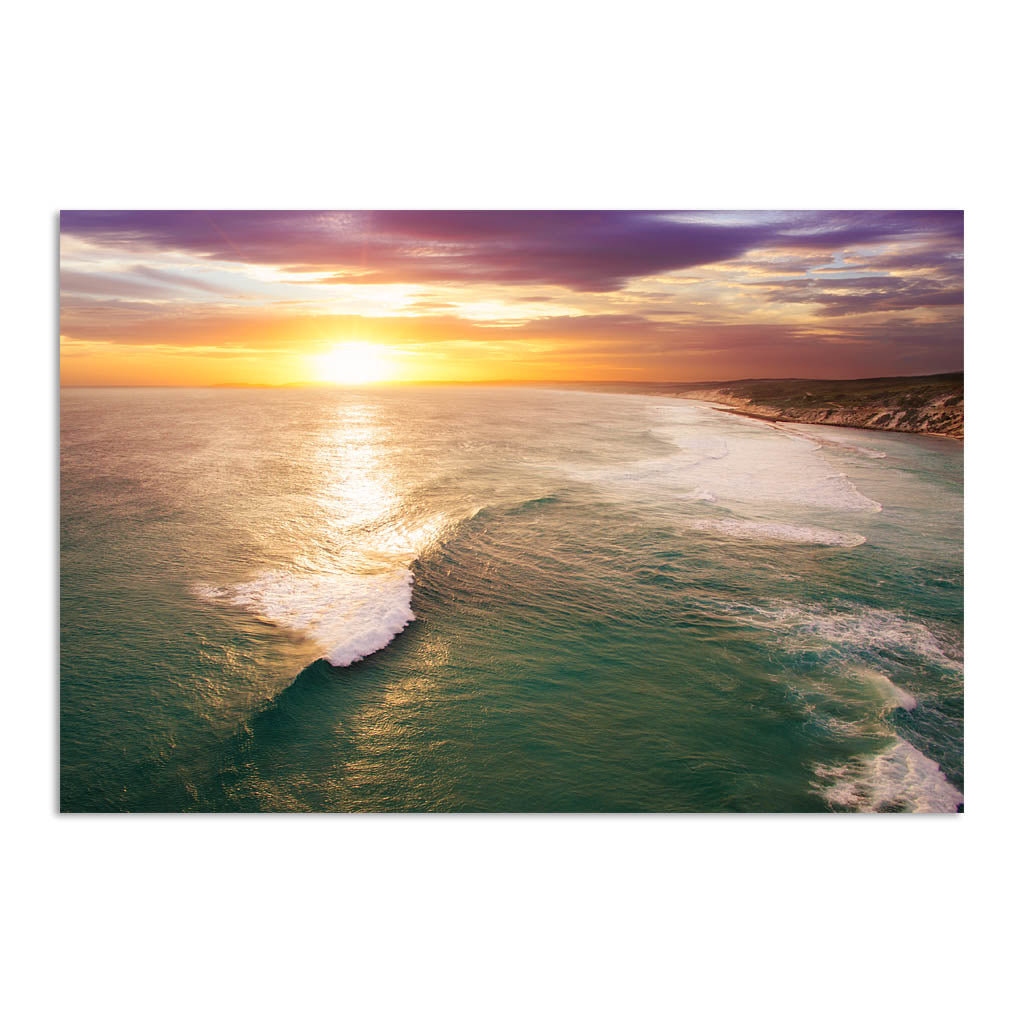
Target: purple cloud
{"x": 594, "y": 251}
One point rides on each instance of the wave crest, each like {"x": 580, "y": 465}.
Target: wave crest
{"x": 349, "y": 615}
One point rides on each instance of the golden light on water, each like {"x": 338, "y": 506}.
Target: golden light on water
{"x": 354, "y": 363}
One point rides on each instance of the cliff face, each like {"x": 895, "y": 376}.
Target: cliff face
{"x": 922, "y": 405}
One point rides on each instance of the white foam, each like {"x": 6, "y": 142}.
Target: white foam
{"x": 700, "y": 494}
{"x": 875, "y": 684}
{"x": 899, "y": 777}
{"x": 857, "y": 631}
{"x": 349, "y": 615}
{"x": 831, "y": 442}
{"x": 894, "y": 696}
{"x": 784, "y": 532}
{"x": 741, "y": 462}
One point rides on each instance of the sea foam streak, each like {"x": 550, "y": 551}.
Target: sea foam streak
{"x": 349, "y": 615}
{"x": 854, "y": 631}
{"x": 871, "y": 453}
{"x": 783, "y": 532}
{"x": 894, "y": 696}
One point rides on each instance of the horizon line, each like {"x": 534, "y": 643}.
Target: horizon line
{"x": 503, "y": 382}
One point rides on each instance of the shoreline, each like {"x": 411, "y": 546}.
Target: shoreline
{"x": 764, "y": 417}
{"x": 931, "y": 406}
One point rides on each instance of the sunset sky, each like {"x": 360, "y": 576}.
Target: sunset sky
{"x": 302, "y": 297}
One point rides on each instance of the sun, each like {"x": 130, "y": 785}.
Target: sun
{"x": 354, "y": 362}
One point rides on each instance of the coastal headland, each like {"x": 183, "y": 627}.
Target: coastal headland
{"x": 919, "y": 405}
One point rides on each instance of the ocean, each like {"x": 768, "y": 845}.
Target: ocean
{"x": 502, "y": 599}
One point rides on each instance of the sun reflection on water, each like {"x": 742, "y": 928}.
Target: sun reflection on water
{"x": 359, "y": 492}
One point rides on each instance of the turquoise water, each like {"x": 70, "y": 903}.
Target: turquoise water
{"x": 491, "y": 599}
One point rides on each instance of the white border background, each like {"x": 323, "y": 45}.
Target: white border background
{"x": 731, "y": 105}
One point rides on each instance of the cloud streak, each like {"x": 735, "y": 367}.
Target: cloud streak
{"x": 597, "y": 251}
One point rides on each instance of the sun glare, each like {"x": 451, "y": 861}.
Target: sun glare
{"x": 354, "y": 362}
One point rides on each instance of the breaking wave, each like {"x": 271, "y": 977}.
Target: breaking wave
{"x": 350, "y": 616}
{"x": 853, "y": 695}
{"x": 900, "y": 778}
{"x": 894, "y": 696}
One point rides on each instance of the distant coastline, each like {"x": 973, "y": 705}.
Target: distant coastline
{"x": 919, "y": 405}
